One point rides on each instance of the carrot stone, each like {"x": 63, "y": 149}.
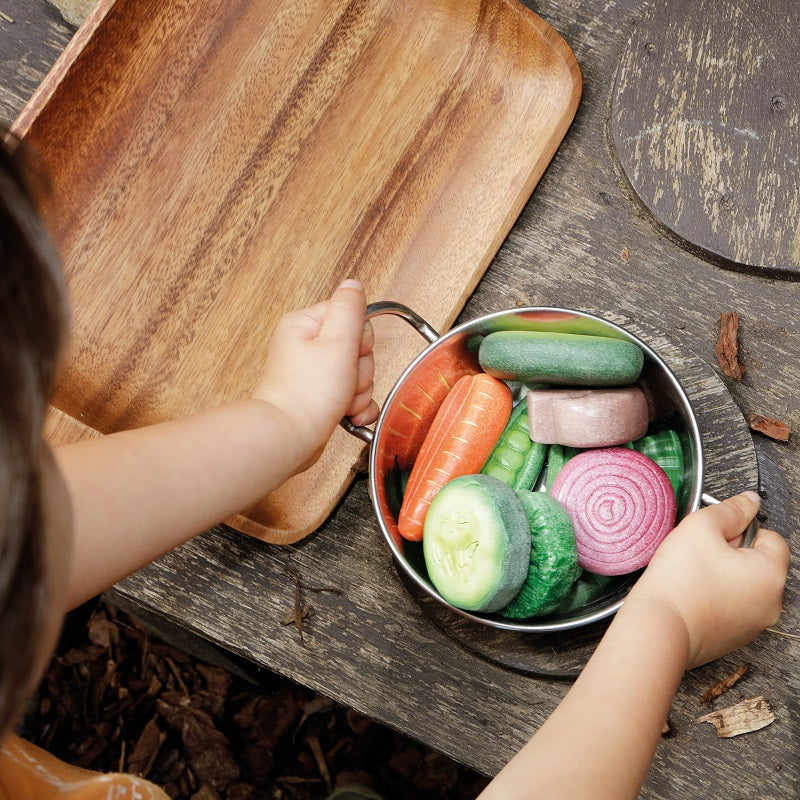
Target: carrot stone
{"x": 423, "y": 393}
{"x": 463, "y": 434}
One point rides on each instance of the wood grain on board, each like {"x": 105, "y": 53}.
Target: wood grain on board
{"x": 219, "y": 163}
{"x": 706, "y": 124}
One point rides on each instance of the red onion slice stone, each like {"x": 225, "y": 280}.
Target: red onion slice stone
{"x": 621, "y": 504}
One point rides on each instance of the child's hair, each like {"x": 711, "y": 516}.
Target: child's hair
{"x": 32, "y": 324}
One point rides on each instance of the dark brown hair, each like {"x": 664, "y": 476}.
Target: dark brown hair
{"x": 32, "y": 323}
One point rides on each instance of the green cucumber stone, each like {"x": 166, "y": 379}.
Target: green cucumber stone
{"x": 664, "y": 447}
{"x": 553, "y": 564}
{"x": 476, "y": 543}
{"x": 567, "y": 359}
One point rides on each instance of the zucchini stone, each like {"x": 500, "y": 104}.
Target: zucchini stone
{"x": 554, "y": 558}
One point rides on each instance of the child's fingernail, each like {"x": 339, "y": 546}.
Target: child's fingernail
{"x": 351, "y": 283}
{"x": 752, "y": 496}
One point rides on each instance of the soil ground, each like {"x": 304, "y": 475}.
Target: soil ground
{"x": 117, "y": 698}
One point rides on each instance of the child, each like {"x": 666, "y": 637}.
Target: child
{"x": 76, "y": 520}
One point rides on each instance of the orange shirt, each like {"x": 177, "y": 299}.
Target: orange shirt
{"x": 29, "y": 773}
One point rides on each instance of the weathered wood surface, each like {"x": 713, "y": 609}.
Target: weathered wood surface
{"x": 581, "y": 241}
{"x": 342, "y": 140}
{"x": 705, "y": 119}
{"x": 33, "y": 35}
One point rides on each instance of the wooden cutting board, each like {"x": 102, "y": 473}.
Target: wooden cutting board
{"x": 219, "y": 162}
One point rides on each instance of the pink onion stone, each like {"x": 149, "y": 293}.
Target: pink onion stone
{"x": 621, "y": 504}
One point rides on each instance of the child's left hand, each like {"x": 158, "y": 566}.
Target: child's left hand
{"x": 724, "y": 594}
{"x": 319, "y": 368}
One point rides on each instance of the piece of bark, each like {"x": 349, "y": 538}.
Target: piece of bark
{"x": 205, "y": 792}
{"x": 785, "y": 634}
{"x": 722, "y": 686}
{"x": 749, "y": 715}
{"x": 319, "y": 757}
{"x": 146, "y": 749}
{"x": 297, "y": 617}
{"x": 774, "y": 428}
{"x": 728, "y": 346}
{"x": 207, "y": 748}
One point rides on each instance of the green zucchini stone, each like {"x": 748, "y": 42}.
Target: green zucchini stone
{"x": 553, "y": 564}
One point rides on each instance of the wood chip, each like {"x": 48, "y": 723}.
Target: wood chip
{"x": 205, "y": 792}
{"x": 297, "y": 617}
{"x": 728, "y": 346}
{"x": 146, "y": 749}
{"x": 722, "y": 686}
{"x": 774, "y": 428}
{"x": 749, "y": 715}
{"x": 785, "y": 634}
{"x": 319, "y": 757}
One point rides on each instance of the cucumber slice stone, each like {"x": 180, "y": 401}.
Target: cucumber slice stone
{"x": 477, "y": 543}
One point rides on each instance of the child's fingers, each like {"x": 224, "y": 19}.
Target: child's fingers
{"x": 366, "y": 372}
{"x": 367, "y": 340}
{"x": 363, "y": 410}
{"x": 774, "y": 546}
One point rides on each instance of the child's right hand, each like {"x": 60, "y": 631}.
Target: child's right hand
{"x": 724, "y": 594}
{"x": 319, "y": 368}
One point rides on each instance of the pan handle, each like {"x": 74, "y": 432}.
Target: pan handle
{"x": 413, "y": 319}
{"x": 752, "y": 528}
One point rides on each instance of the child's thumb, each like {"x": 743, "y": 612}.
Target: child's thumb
{"x": 344, "y": 316}
{"x": 737, "y": 512}
{"x": 768, "y": 542}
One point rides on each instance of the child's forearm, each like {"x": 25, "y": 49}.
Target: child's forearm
{"x": 600, "y": 740}
{"x": 139, "y": 493}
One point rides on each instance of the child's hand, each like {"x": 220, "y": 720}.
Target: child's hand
{"x": 319, "y": 369}
{"x": 725, "y": 595}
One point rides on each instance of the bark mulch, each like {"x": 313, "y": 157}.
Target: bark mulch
{"x": 117, "y": 698}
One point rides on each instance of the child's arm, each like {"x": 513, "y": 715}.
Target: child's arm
{"x": 137, "y": 494}
{"x": 701, "y": 597}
